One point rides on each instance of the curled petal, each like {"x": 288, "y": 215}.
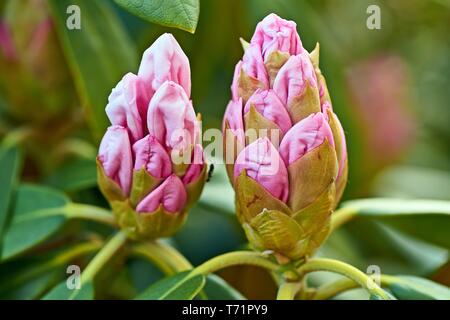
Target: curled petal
{"x": 115, "y": 156}
{"x": 293, "y": 77}
{"x": 127, "y": 105}
{"x": 276, "y": 34}
{"x": 170, "y": 194}
{"x": 165, "y": 61}
{"x": 195, "y": 168}
{"x": 151, "y": 155}
{"x": 171, "y": 117}
{"x": 304, "y": 136}
{"x": 253, "y": 65}
{"x": 262, "y": 163}
{"x": 270, "y": 107}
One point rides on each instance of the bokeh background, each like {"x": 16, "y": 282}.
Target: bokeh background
{"x": 389, "y": 87}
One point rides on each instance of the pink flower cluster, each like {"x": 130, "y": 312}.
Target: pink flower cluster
{"x": 152, "y": 119}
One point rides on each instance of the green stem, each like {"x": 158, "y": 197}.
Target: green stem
{"x": 346, "y": 270}
{"x": 342, "y": 216}
{"x": 288, "y": 290}
{"x": 164, "y": 256}
{"x": 233, "y": 259}
{"x": 88, "y": 212}
{"x": 105, "y": 254}
{"x": 330, "y": 290}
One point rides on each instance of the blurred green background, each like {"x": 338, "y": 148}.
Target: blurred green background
{"x": 389, "y": 87}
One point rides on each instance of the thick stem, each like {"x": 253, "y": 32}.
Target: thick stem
{"x": 346, "y": 270}
{"x": 88, "y": 212}
{"x": 330, "y": 290}
{"x": 233, "y": 259}
{"x": 164, "y": 256}
{"x": 342, "y": 216}
{"x": 288, "y": 290}
{"x": 105, "y": 254}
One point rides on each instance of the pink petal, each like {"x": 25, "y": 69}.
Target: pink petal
{"x": 115, "y": 156}
{"x": 127, "y": 105}
{"x": 233, "y": 114}
{"x": 195, "y": 168}
{"x": 304, "y": 136}
{"x": 253, "y": 64}
{"x": 165, "y": 61}
{"x": 171, "y": 117}
{"x": 274, "y": 33}
{"x": 262, "y": 162}
{"x": 293, "y": 77}
{"x": 171, "y": 194}
{"x": 270, "y": 107}
{"x": 152, "y": 156}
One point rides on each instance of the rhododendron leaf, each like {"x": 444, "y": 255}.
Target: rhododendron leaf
{"x": 110, "y": 55}
{"x": 428, "y": 220}
{"x": 10, "y": 160}
{"x": 181, "y": 286}
{"x": 38, "y": 214}
{"x": 182, "y": 14}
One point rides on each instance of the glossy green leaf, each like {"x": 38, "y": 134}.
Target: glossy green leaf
{"x": 177, "y": 287}
{"x": 38, "y": 214}
{"x": 75, "y": 175}
{"x": 415, "y": 288}
{"x": 62, "y": 292}
{"x": 9, "y": 169}
{"x": 425, "y": 219}
{"x": 218, "y": 289}
{"x": 182, "y": 14}
{"x": 111, "y": 54}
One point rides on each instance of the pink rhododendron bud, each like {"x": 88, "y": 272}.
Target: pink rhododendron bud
{"x": 165, "y": 61}
{"x": 170, "y": 194}
{"x": 261, "y": 162}
{"x": 171, "y": 117}
{"x": 294, "y": 78}
{"x": 284, "y": 147}
{"x": 276, "y": 34}
{"x": 151, "y": 155}
{"x": 306, "y": 135}
{"x": 115, "y": 157}
{"x": 127, "y": 105}
{"x": 267, "y": 103}
{"x": 153, "y": 109}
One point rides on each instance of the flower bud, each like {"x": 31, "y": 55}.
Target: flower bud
{"x": 149, "y": 192}
{"x": 115, "y": 157}
{"x": 127, "y": 105}
{"x": 276, "y": 34}
{"x": 165, "y": 61}
{"x": 285, "y": 189}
